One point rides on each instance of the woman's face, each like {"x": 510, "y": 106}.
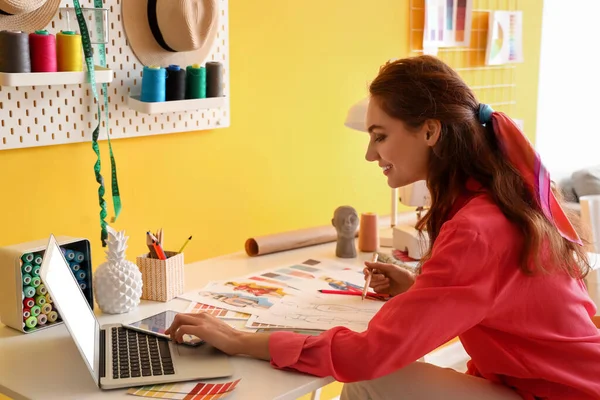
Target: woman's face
{"x": 402, "y": 154}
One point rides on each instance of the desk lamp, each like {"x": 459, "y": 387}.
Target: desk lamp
{"x": 403, "y": 237}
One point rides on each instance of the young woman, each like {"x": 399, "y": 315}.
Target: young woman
{"x": 503, "y": 273}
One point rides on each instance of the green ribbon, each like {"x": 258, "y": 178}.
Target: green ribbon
{"x": 89, "y": 59}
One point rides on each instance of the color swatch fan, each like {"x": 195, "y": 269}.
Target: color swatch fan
{"x": 505, "y": 38}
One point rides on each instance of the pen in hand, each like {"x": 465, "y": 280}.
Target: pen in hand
{"x": 369, "y": 276}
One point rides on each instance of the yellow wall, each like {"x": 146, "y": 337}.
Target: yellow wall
{"x": 295, "y": 69}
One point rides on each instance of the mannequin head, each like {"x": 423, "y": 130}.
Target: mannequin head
{"x": 345, "y": 221}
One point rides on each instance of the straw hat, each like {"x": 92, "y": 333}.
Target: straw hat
{"x": 165, "y": 32}
{"x": 27, "y": 15}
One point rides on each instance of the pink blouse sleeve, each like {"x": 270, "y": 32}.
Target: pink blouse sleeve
{"x": 453, "y": 293}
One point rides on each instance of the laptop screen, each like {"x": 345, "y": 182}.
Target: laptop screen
{"x": 71, "y": 303}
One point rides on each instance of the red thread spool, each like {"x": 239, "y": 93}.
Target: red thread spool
{"x": 28, "y": 302}
{"x": 42, "y": 50}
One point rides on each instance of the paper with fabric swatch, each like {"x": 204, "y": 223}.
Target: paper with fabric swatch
{"x": 186, "y": 390}
{"x": 237, "y": 321}
{"x": 322, "y": 313}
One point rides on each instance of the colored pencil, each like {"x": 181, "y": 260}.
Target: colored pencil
{"x": 353, "y": 293}
{"x": 185, "y": 244}
{"x": 159, "y": 250}
{"x": 369, "y": 276}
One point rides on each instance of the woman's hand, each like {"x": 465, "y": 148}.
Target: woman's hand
{"x": 220, "y": 335}
{"x": 389, "y": 278}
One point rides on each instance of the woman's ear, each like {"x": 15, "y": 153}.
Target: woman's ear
{"x": 433, "y": 131}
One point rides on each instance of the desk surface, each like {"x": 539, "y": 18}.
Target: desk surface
{"x": 47, "y": 365}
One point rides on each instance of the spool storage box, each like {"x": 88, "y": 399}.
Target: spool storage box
{"x": 25, "y": 304}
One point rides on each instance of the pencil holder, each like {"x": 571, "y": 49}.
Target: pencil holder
{"x": 163, "y": 279}
{"x": 25, "y": 304}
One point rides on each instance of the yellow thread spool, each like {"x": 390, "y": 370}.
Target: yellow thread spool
{"x": 69, "y": 51}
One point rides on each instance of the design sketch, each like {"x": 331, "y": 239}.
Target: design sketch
{"x": 237, "y": 300}
{"x": 257, "y": 290}
{"x": 341, "y": 285}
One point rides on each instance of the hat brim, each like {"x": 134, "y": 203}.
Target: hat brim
{"x": 145, "y": 47}
{"x": 33, "y": 21}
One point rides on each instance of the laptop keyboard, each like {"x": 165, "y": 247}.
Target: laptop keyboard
{"x": 137, "y": 354}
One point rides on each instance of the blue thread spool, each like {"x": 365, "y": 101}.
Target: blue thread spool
{"x": 79, "y": 256}
{"x": 154, "y": 84}
{"x": 80, "y": 275}
{"x": 82, "y": 285}
{"x": 75, "y": 267}
{"x": 70, "y": 255}
{"x": 29, "y": 291}
{"x": 26, "y": 279}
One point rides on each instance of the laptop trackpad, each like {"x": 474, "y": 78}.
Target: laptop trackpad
{"x": 199, "y": 351}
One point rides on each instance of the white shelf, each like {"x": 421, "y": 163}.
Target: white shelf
{"x": 103, "y": 75}
{"x": 174, "y": 105}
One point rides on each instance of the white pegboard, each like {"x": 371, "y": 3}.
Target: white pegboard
{"x": 49, "y": 115}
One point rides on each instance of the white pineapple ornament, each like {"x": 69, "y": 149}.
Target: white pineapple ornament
{"x": 117, "y": 281}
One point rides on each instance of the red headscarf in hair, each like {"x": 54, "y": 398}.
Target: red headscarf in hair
{"x": 526, "y": 160}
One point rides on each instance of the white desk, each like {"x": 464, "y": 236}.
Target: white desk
{"x": 46, "y": 364}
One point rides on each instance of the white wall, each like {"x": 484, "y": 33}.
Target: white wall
{"x": 568, "y": 132}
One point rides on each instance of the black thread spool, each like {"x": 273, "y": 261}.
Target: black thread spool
{"x": 14, "y": 52}
{"x": 175, "y": 83}
{"x": 214, "y": 79}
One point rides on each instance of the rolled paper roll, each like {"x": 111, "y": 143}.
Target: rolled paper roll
{"x": 35, "y": 311}
{"x": 79, "y": 256}
{"x": 31, "y": 322}
{"x": 29, "y": 291}
{"x": 368, "y": 233}
{"x": 29, "y": 302}
{"x": 40, "y": 300}
{"x": 26, "y": 268}
{"x": 42, "y": 319}
{"x": 52, "y": 316}
{"x": 36, "y": 281}
{"x": 26, "y": 279}
{"x": 27, "y": 258}
{"x": 38, "y": 260}
{"x": 36, "y": 270}
{"x": 46, "y": 308}
{"x": 48, "y": 298}
{"x": 41, "y": 289}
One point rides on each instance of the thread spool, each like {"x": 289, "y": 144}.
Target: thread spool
{"x": 27, "y": 258}
{"x": 35, "y": 271}
{"x": 79, "y": 256}
{"x": 52, "y": 316}
{"x": 26, "y": 268}
{"x": 176, "y": 83}
{"x": 29, "y": 302}
{"x": 69, "y": 255}
{"x": 154, "y": 84}
{"x": 80, "y": 275}
{"x": 195, "y": 82}
{"x": 69, "y": 51}
{"x": 214, "y": 79}
{"x": 26, "y": 279}
{"x": 36, "y": 310}
{"x": 40, "y": 300}
{"x": 31, "y": 322}
{"x": 26, "y": 313}
{"x": 29, "y": 292}
{"x": 42, "y": 51}
{"x": 41, "y": 290}
{"x": 36, "y": 281}
{"x": 368, "y": 233}
{"x": 75, "y": 267}
{"x": 38, "y": 260}
{"x": 48, "y": 298}
{"x": 46, "y": 308}
{"x": 42, "y": 319}
{"x": 82, "y": 285}
{"x": 14, "y": 52}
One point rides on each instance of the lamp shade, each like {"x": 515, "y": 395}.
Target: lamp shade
{"x": 357, "y": 115}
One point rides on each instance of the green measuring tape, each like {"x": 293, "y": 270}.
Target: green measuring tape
{"x": 89, "y": 59}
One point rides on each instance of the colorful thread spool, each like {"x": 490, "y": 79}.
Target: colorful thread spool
{"x": 69, "y": 51}
{"x": 27, "y": 258}
{"x": 195, "y": 82}
{"x": 79, "y": 256}
{"x": 42, "y": 50}
{"x": 26, "y": 268}
{"x": 41, "y": 290}
{"x": 154, "y": 84}
{"x": 82, "y": 285}
{"x": 36, "y": 281}
{"x": 42, "y": 319}
{"x": 36, "y": 270}
{"x": 14, "y": 52}
{"x": 75, "y": 267}
{"x": 26, "y": 313}
{"x": 38, "y": 260}
{"x": 69, "y": 255}
{"x": 46, "y": 308}
{"x": 214, "y": 79}
{"x": 31, "y": 322}
{"x": 80, "y": 275}
{"x": 176, "y": 83}
{"x": 52, "y": 316}
{"x": 35, "y": 311}
{"x": 40, "y": 300}
{"x": 29, "y": 302}
{"x": 48, "y": 298}
{"x": 26, "y": 279}
{"x": 29, "y": 291}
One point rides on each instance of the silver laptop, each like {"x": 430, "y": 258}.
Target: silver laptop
{"x": 118, "y": 357}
